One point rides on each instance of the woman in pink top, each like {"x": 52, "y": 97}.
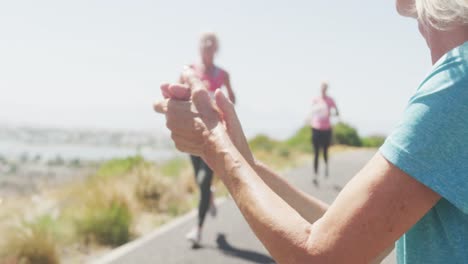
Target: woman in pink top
{"x": 321, "y": 127}
{"x": 213, "y": 78}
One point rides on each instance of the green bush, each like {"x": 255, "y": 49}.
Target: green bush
{"x": 283, "y": 151}
{"x": 345, "y": 134}
{"x": 173, "y": 167}
{"x": 118, "y": 167}
{"x": 106, "y": 221}
{"x": 301, "y": 140}
{"x": 263, "y": 142}
{"x": 373, "y": 141}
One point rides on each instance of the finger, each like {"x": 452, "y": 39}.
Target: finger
{"x": 202, "y": 101}
{"x": 181, "y": 116}
{"x": 160, "y": 106}
{"x": 181, "y": 108}
{"x": 165, "y": 90}
{"x": 186, "y": 145}
{"x": 180, "y": 92}
{"x": 229, "y": 115}
{"x": 187, "y": 138}
{"x": 233, "y": 125}
{"x": 190, "y": 130}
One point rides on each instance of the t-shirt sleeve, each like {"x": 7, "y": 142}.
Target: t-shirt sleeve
{"x": 431, "y": 142}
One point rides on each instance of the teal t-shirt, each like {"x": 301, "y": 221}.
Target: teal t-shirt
{"x": 431, "y": 145}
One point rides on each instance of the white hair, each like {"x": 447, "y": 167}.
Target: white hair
{"x": 442, "y": 14}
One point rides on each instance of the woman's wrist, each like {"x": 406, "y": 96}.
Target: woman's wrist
{"x": 216, "y": 143}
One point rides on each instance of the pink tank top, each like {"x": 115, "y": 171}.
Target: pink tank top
{"x": 321, "y": 112}
{"x": 213, "y": 81}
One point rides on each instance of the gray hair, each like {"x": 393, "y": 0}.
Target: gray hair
{"x": 442, "y": 14}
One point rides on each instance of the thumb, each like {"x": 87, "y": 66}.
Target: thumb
{"x": 228, "y": 112}
{"x": 202, "y": 101}
{"x": 233, "y": 125}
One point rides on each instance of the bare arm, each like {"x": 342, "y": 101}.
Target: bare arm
{"x": 307, "y": 206}
{"x": 372, "y": 212}
{"x": 227, "y": 83}
{"x": 346, "y": 229}
{"x": 337, "y": 113}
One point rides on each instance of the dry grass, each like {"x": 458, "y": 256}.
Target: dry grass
{"x": 31, "y": 243}
{"x": 123, "y": 199}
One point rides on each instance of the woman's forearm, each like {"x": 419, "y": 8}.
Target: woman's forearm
{"x": 309, "y": 207}
{"x": 280, "y": 228}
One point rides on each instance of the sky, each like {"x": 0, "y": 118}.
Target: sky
{"x": 99, "y": 63}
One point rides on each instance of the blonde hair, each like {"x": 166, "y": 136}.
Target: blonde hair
{"x": 442, "y": 14}
{"x": 209, "y": 38}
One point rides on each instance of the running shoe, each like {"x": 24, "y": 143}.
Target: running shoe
{"x": 194, "y": 236}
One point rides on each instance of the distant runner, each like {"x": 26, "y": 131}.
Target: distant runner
{"x": 321, "y": 127}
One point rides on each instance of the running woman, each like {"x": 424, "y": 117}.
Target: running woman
{"x": 212, "y": 78}
{"x": 321, "y": 127}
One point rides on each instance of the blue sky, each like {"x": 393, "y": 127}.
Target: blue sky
{"x": 98, "y": 64}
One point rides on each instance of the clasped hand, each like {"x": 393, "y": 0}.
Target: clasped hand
{"x": 199, "y": 125}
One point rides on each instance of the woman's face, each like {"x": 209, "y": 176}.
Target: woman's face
{"x": 406, "y": 8}
{"x": 324, "y": 89}
{"x": 207, "y": 51}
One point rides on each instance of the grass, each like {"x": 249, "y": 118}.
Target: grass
{"x": 128, "y": 197}
{"x": 119, "y": 167}
{"x": 107, "y": 221}
{"x": 31, "y": 243}
{"x": 373, "y": 141}
{"x": 174, "y": 167}
{"x": 105, "y": 210}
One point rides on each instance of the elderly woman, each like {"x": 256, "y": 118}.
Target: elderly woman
{"x": 414, "y": 190}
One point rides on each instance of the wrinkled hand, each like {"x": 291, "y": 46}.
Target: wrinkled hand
{"x": 190, "y": 137}
{"x": 233, "y": 126}
{"x": 196, "y": 126}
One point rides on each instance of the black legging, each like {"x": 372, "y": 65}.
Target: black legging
{"x": 321, "y": 139}
{"x": 203, "y": 177}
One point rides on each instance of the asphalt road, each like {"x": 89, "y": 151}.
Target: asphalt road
{"x": 227, "y": 238}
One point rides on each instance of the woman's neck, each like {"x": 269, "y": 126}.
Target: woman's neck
{"x": 441, "y": 42}
{"x": 208, "y": 66}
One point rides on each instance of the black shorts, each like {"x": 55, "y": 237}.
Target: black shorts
{"x": 321, "y": 138}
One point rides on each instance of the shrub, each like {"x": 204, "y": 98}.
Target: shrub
{"x": 373, "y": 141}
{"x": 176, "y": 203}
{"x": 283, "y": 151}
{"x": 31, "y": 243}
{"x": 150, "y": 188}
{"x": 301, "y": 140}
{"x": 346, "y": 135}
{"x": 105, "y": 220}
{"x": 263, "y": 142}
{"x": 174, "y": 167}
{"x": 118, "y": 167}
